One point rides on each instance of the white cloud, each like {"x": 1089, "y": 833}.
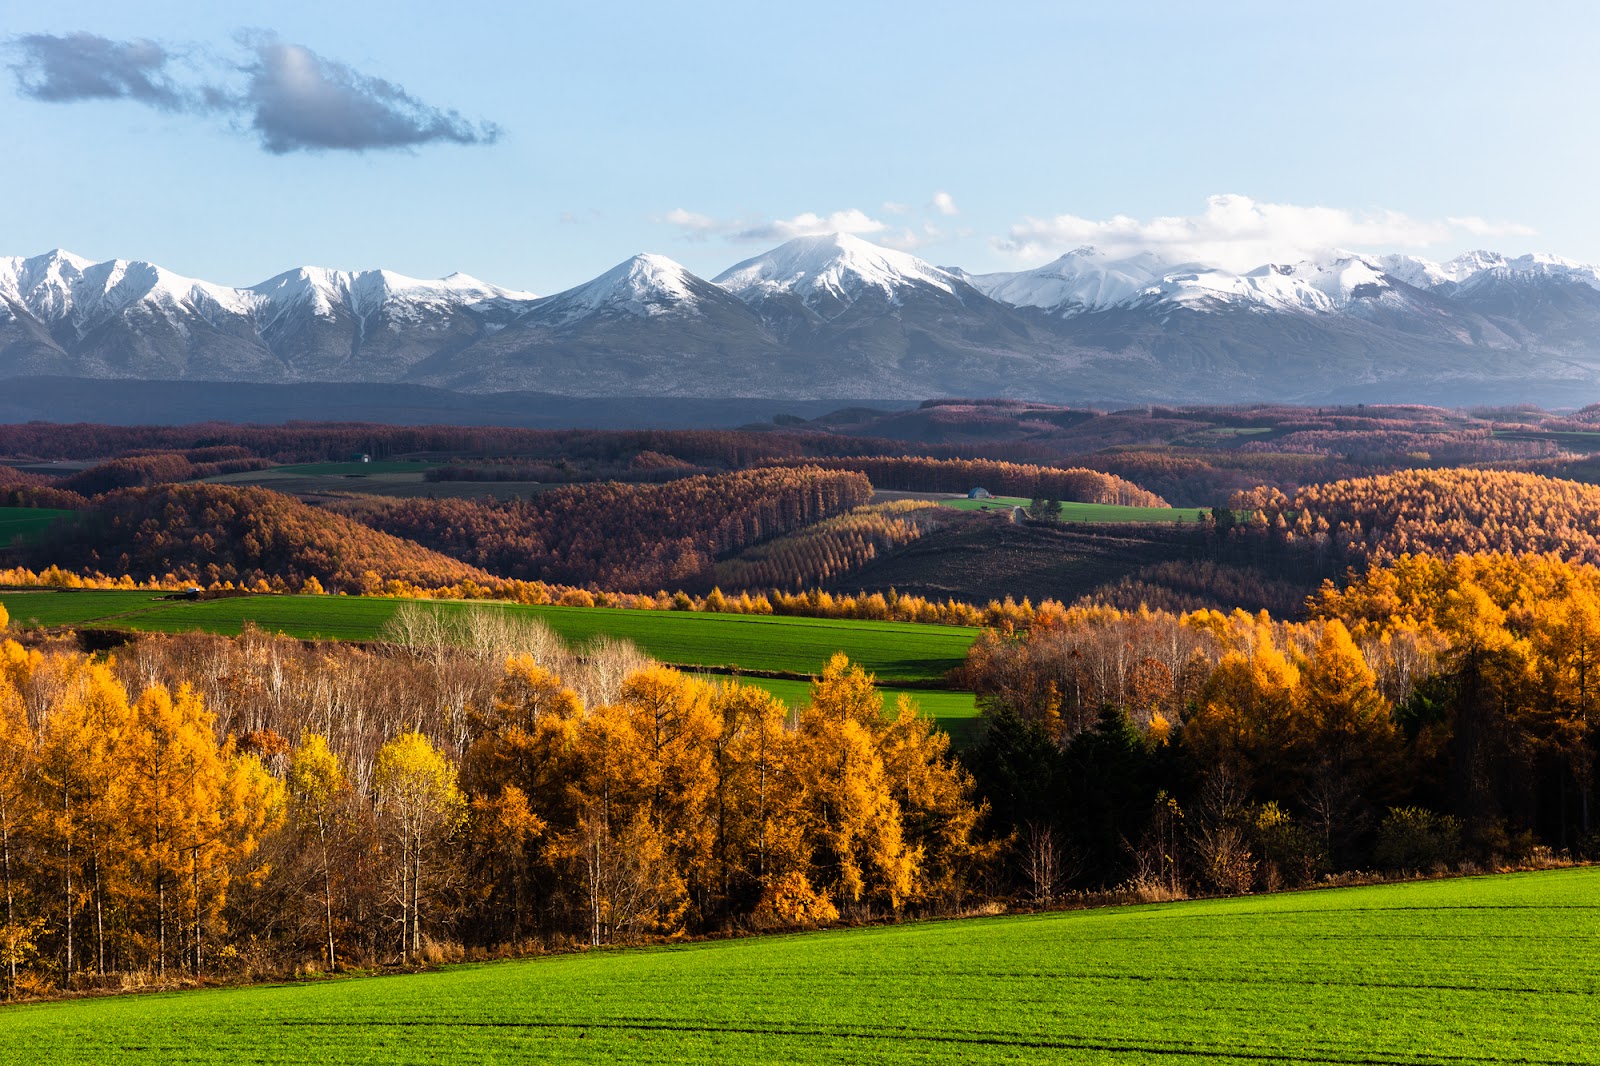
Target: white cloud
{"x": 908, "y": 239}
{"x": 944, "y": 203}
{"x": 810, "y": 224}
{"x": 1239, "y": 233}
{"x": 894, "y": 207}
{"x": 1474, "y": 226}
{"x": 696, "y": 226}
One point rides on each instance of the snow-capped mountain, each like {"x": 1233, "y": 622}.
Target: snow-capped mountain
{"x": 642, "y": 287}
{"x": 882, "y": 317}
{"x": 1086, "y": 280}
{"x": 839, "y": 317}
{"x": 830, "y": 273}
{"x": 646, "y": 326}
{"x": 61, "y": 288}
{"x": 124, "y": 318}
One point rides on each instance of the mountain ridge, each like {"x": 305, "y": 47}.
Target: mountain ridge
{"x": 835, "y": 316}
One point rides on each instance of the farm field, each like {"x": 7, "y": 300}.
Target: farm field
{"x": 28, "y": 523}
{"x": 895, "y": 651}
{"x": 1479, "y": 970}
{"x": 391, "y": 478}
{"x": 1090, "y": 513}
{"x": 954, "y": 712}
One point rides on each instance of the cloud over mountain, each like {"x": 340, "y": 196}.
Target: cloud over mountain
{"x": 1238, "y": 232}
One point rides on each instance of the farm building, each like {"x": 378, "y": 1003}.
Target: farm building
{"x": 980, "y": 494}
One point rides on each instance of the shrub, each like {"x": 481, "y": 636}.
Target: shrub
{"x": 790, "y": 902}
{"x": 1412, "y": 838}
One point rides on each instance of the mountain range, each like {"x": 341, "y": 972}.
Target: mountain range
{"x": 836, "y": 317}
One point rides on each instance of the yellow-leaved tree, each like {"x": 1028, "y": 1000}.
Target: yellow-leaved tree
{"x": 678, "y": 733}
{"x": 197, "y": 812}
{"x": 1344, "y": 736}
{"x": 318, "y": 791}
{"x": 418, "y": 795}
{"x": 751, "y": 818}
{"x": 17, "y": 936}
{"x": 852, "y": 830}
{"x": 85, "y": 784}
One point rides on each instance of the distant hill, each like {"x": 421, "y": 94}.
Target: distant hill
{"x": 206, "y": 533}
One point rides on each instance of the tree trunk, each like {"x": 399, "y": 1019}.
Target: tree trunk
{"x": 405, "y": 902}
{"x": 11, "y": 918}
{"x": 194, "y": 891}
{"x": 161, "y": 923}
{"x": 66, "y": 808}
{"x": 99, "y": 915}
{"x": 416, "y": 877}
{"x": 327, "y": 895}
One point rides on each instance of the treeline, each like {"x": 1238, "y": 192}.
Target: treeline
{"x": 263, "y": 822}
{"x": 334, "y": 441}
{"x": 1241, "y": 578}
{"x": 641, "y": 466}
{"x": 919, "y": 474}
{"x": 890, "y": 606}
{"x": 161, "y": 468}
{"x": 828, "y": 550}
{"x": 18, "y": 488}
{"x": 582, "y": 449}
{"x": 1432, "y": 712}
{"x": 627, "y": 537}
{"x": 215, "y": 535}
{"x": 1385, "y": 445}
{"x": 1441, "y": 512}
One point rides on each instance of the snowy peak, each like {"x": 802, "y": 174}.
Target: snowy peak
{"x": 367, "y": 292}
{"x": 1083, "y": 279}
{"x": 643, "y": 286}
{"x": 1480, "y": 267}
{"x": 1086, "y": 279}
{"x": 60, "y": 287}
{"x": 63, "y": 290}
{"x": 832, "y": 270}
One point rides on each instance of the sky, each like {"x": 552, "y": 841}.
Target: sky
{"x": 534, "y": 146}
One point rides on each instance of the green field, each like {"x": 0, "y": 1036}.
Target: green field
{"x": 954, "y": 712}
{"x": 1482, "y": 970}
{"x": 28, "y": 523}
{"x": 380, "y": 466}
{"x": 382, "y": 478}
{"x": 895, "y": 651}
{"x": 1101, "y": 513}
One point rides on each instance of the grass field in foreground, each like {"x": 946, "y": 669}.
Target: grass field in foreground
{"x": 895, "y": 651}
{"x": 1088, "y": 512}
{"x": 1482, "y": 970}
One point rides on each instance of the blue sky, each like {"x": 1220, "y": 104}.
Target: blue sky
{"x": 707, "y": 132}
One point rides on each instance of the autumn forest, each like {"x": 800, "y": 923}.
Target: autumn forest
{"x": 1212, "y": 651}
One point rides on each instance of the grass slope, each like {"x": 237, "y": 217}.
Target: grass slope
{"x": 895, "y": 651}
{"x": 954, "y": 712}
{"x": 392, "y": 478}
{"x": 29, "y": 524}
{"x": 1091, "y": 513}
{"x": 1494, "y": 969}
